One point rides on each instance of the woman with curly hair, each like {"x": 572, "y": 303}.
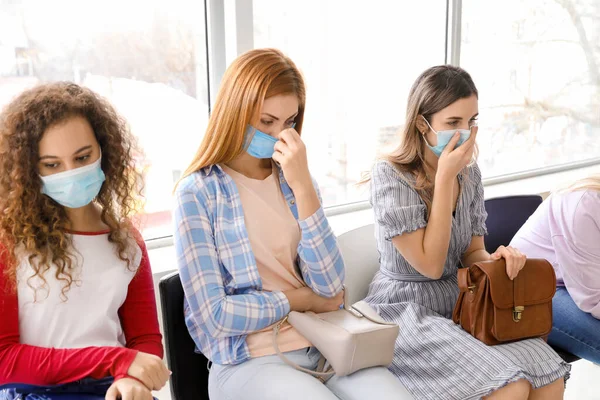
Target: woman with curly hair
{"x": 76, "y": 291}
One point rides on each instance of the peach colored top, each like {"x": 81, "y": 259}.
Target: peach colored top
{"x": 274, "y": 237}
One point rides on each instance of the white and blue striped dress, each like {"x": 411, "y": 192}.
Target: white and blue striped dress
{"x": 435, "y": 358}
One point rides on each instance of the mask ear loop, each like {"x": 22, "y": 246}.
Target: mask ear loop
{"x": 425, "y": 139}
{"x": 424, "y": 133}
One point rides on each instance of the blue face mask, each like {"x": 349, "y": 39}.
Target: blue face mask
{"x": 444, "y": 137}
{"x": 261, "y": 145}
{"x": 75, "y": 188}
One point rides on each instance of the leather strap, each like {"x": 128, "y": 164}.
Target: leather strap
{"x": 464, "y": 280}
{"x": 321, "y": 364}
{"x": 519, "y": 292}
{"x": 323, "y": 376}
{"x": 474, "y": 316}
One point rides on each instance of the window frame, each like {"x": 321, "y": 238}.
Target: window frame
{"x": 230, "y": 32}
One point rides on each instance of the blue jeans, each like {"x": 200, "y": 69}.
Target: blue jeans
{"x": 85, "y": 389}
{"x": 574, "y": 330}
{"x": 269, "y": 378}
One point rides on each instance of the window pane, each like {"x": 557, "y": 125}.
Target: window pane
{"x": 359, "y": 60}
{"x": 536, "y": 64}
{"x": 148, "y": 58}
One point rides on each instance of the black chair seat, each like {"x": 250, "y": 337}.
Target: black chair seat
{"x": 568, "y": 357}
{"x": 189, "y": 380}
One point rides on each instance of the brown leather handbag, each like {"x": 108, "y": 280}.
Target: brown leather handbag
{"x": 495, "y": 310}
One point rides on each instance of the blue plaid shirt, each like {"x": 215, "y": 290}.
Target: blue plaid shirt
{"x": 224, "y": 300}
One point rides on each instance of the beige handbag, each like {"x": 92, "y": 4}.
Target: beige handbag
{"x": 350, "y": 339}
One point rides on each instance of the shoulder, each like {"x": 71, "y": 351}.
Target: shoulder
{"x": 140, "y": 258}
{"x": 385, "y": 170}
{"x": 391, "y": 186}
{"x": 587, "y": 207}
{"x": 135, "y": 247}
{"x": 201, "y": 186}
{"x": 474, "y": 173}
{"x": 582, "y": 211}
{"x": 577, "y": 212}
{"x": 199, "y": 182}
{"x": 137, "y": 238}
{"x": 383, "y": 167}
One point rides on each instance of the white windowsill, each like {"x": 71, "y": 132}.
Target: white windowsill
{"x": 163, "y": 258}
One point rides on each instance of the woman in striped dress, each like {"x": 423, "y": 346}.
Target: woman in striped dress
{"x": 427, "y": 197}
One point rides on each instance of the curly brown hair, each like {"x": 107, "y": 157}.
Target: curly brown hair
{"x": 34, "y": 223}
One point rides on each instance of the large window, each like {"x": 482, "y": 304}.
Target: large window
{"x": 535, "y": 62}
{"x": 359, "y": 60}
{"x": 148, "y": 58}
{"x": 537, "y": 66}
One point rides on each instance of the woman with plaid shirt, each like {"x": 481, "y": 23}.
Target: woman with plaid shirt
{"x": 253, "y": 242}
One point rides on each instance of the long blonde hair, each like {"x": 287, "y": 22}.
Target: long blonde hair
{"x": 252, "y": 77}
{"x": 591, "y": 182}
{"x": 434, "y": 90}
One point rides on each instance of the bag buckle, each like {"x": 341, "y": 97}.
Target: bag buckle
{"x": 517, "y": 313}
{"x": 471, "y": 289}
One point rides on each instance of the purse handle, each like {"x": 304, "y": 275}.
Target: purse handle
{"x": 319, "y": 374}
{"x": 359, "y": 310}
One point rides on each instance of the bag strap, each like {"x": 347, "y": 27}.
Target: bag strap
{"x": 359, "y": 309}
{"x": 362, "y": 309}
{"x": 518, "y": 297}
{"x": 319, "y": 374}
{"x": 464, "y": 279}
{"x": 465, "y": 285}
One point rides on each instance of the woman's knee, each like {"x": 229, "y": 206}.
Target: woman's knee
{"x": 555, "y": 390}
{"x": 376, "y": 382}
{"x": 518, "y": 390}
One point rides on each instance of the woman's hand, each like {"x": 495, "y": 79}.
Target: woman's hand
{"x": 324, "y": 304}
{"x": 453, "y": 160}
{"x": 515, "y": 260}
{"x": 150, "y": 370}
{"x": 290, "y": 153}
{"x": 128, "y": 389}
{"x": 304, "y": 299}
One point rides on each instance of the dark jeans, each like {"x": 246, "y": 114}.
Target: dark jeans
{"x": 85, "y": 389}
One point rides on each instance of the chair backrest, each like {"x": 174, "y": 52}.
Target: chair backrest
{"x": 359, "y": 250}
{"x": 506, "y": 215}
{"x": 190, "y": 374}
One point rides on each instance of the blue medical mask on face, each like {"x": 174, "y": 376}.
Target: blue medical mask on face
{"x": 75, "y": 188}
{"x": 262, "y": 145}
{"x": 444, "y": 137}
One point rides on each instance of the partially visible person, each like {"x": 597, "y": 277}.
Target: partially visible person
{"x": 565, "y": 230}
